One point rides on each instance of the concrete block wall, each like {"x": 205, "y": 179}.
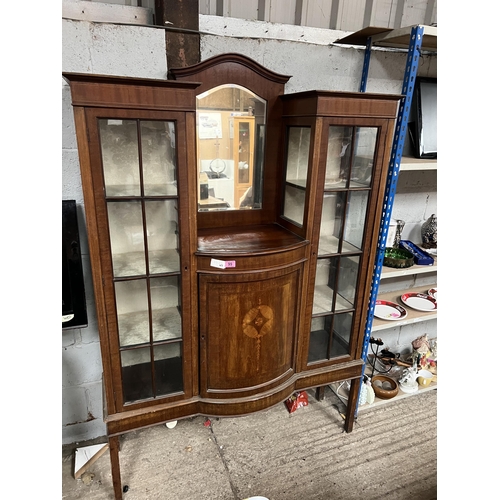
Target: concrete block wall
{"x": 100, "y": 49}
{"x": 312, "y": 59}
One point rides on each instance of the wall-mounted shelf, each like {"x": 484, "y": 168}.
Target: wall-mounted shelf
{"x": 413, "y": 316}
{"x": 391, "y": 272}
{"x": 409, "y": 163}
{"x": 341, "y": 391}
{"x": 391, "y": 38}
{"x": 415, "y": 40}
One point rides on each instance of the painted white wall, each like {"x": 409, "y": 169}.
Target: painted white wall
{"x": 312, "y": 59}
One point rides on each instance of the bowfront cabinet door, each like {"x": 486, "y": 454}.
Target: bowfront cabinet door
{"x": 248, "y": 330}
{"x": 139, "y": 179}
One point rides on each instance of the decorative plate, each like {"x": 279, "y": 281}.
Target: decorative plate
{"x": 419, "y": 301}
{"x": 433, "y": 292}
{"x": 389, "y": 310}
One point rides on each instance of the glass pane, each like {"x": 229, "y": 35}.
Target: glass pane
{"x": 321, "y": 346}
{"x": 162, "y": 231}
{"x": 297, "y": 164}
{"x": 295, "y": 200}
{"x": 127, "y": 238}
{"x": 136, "y": 374}
{"x": 158, "y": 158}
{"x": 355, "y": 221}
{"x": 330, "y": 278}
{"x": 120, "y": 157}
{"x": 165, "y": 305}
{"x": 324, "y": 285}
{"x": 346, "y": 286}
{"x": 341, "y": 335}
{"x": 297, "y": 161}
{"x": 320, "y": 334}
{"x": 168, "y": 368}
{"x": 366, "y": 140}
{"x": 331, "y": 222}
{"x": 132, "y": 310}
{"x": 338, "y": 157}
{"x": 230, "y": 138}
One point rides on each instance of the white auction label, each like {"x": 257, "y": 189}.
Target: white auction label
{"x": 222, "y": 264}
{"x": 218, "y": 263}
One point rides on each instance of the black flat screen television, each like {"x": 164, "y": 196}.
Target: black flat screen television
{"x": 424, "y": 128}
{"x": 74, "y": 306}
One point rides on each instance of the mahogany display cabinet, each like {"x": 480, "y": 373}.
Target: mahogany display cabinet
{"x": 232, "y": 233}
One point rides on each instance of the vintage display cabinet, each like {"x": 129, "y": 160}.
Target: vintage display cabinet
{"x": 232, "y": 231}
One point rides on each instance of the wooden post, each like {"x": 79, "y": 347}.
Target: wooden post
{"x": 182, "y": 16}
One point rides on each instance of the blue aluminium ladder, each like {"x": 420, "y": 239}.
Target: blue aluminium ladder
{"x": 416, "y": 37}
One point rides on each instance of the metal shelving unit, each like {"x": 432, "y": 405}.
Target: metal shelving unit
{"x": 415, "y": 39}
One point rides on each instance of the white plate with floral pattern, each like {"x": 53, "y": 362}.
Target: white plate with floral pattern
{"x": 390, "y": 311}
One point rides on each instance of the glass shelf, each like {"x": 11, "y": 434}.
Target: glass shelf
{"x": 298, "y": 183}
{"x": 133, "y": 264}
{"x": 134, "y": 327}
{"x": 117, "y": 190}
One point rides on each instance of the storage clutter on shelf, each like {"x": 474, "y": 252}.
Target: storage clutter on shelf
{"x": 392, "y": 372}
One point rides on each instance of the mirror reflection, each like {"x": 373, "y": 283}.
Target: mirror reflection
{"x": 230, "y": 129}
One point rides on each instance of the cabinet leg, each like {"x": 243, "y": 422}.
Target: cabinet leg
{"x": 351, "y": 404}
{"x": 114, "y": 449}
{"x": 320, "y": 393}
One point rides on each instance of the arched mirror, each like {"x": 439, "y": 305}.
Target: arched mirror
{"x": 230, "y": 131}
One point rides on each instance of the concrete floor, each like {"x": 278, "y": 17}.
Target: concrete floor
{"x": 391, "y": 454}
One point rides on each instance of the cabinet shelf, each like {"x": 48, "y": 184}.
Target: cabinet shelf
{"x": 134, "y": 327}
{"x": 168, "y": 189}
{"x": 134, "y": 264}
{"x": 323, "y": 297}
{"x": 413, "y": 315}
{"x": 297, "y": 183}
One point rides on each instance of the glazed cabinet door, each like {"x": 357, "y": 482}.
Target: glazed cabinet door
{"x": 139, "y": 176}
{"x": 344, "y": 195}
{"x": 332, "y": 178}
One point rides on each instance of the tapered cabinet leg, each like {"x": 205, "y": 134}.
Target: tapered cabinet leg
{"x": 320, "y": 393}
{"x": 351, "y": 404}
{"x": 114, "y": 449}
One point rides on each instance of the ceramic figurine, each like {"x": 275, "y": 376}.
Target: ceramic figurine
{"x": 429, "y": 232}
{"x": 366, "y": 393}
{"x": 408, "y": 382}
{"x": 421, "y": 345}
